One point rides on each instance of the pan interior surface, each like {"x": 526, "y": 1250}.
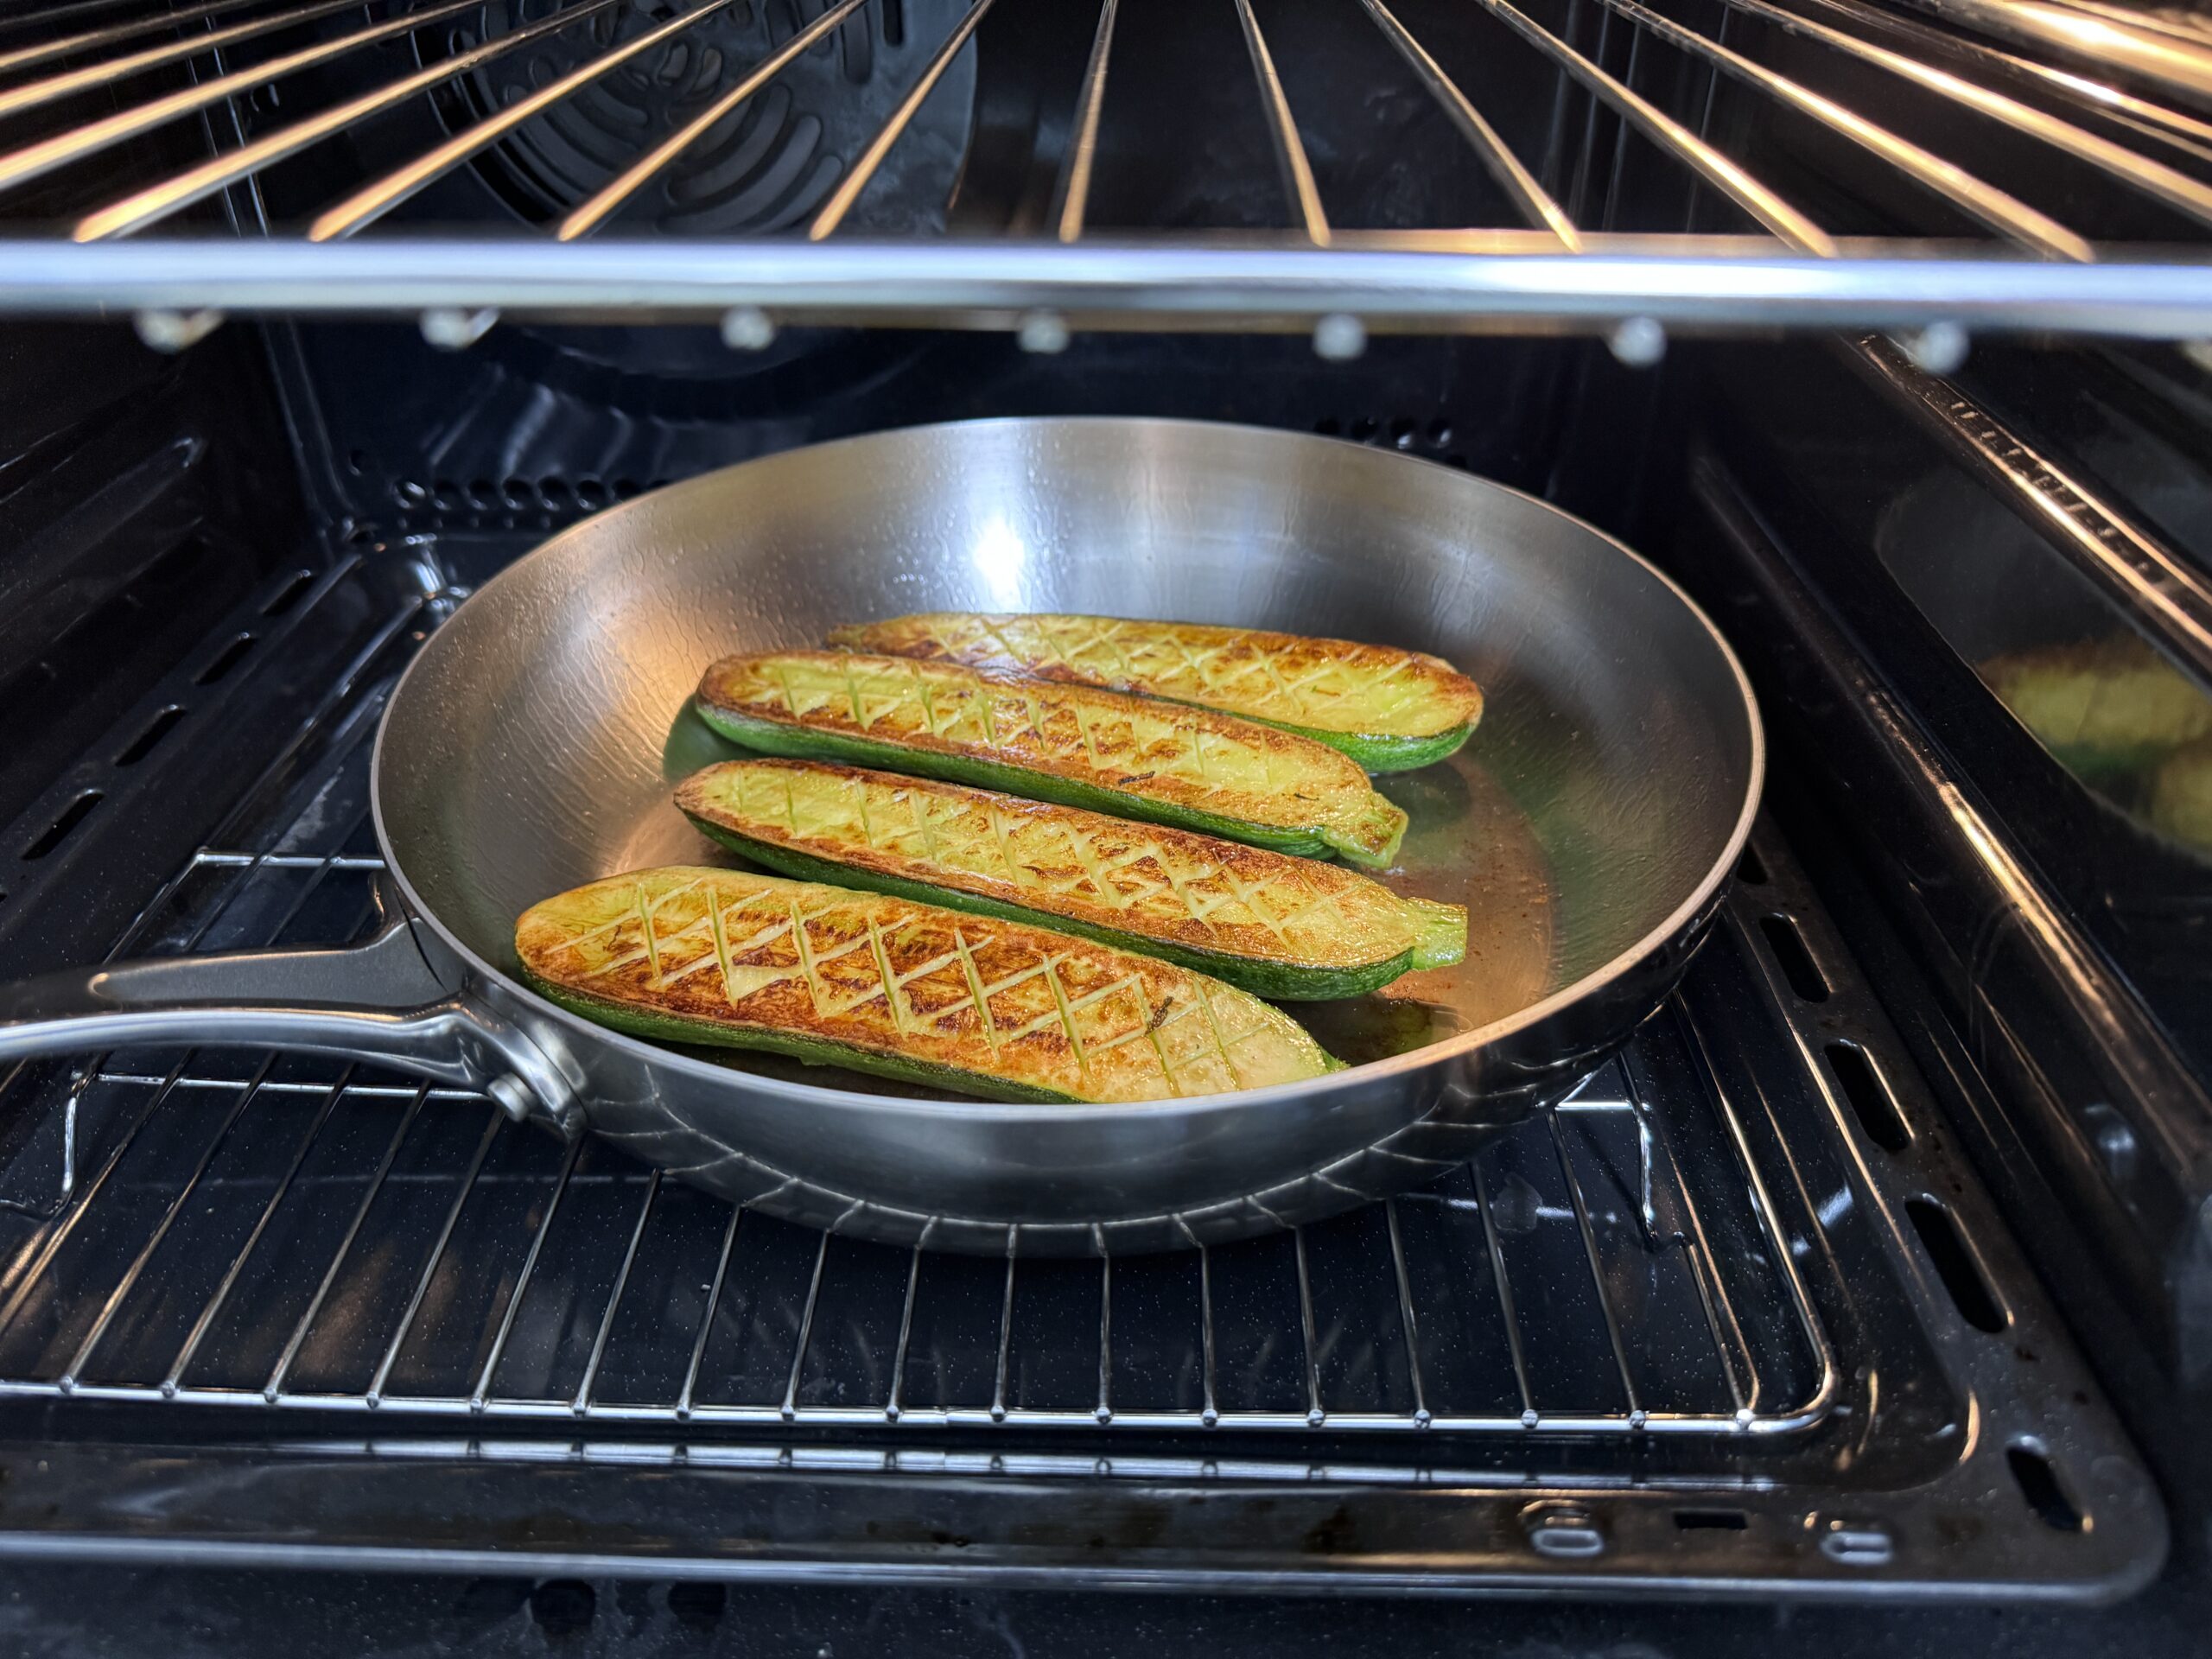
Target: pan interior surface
{"x": 534, "y": 744}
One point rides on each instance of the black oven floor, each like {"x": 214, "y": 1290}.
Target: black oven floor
{"x": 1734, "y": 1321}
{"x": 104, "y": 1611}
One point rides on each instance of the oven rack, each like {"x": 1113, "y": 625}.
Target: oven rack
{"x": 1748, "y": 1405}
{"x": 1624, "y": 68}
{"x": 1722, "y": 1323}
{"x": 1568, "y": 1227}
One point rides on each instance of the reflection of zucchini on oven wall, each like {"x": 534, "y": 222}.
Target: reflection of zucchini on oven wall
{"x": 2105, "y": 708}
{"x": 2181, "y": 795}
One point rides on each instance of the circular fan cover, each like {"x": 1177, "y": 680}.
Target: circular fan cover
{"x": 767, "y": 165}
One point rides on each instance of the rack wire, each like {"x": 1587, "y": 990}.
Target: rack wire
{"x": 1924, "y": 99}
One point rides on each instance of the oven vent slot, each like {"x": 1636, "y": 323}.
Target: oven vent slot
{"x": 1954, "y": 1262}
{"x": 225, "y": 660}
{"x": 563, "y": 1608}
{"x": 2040, "y": 1485}
{"x": 1711, "y": 1520}
{"x": 59, "y": 831}
{"x": 698, "y": 1607}
{"x": 551, "y": 496}
{"x": 149, "y": 737}
{"x": 289, "y": 595}
{"x": 1793, "y": 958}
{"x": 1869, "y": 1096}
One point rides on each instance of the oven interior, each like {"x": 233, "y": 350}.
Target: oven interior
{"x": 1877, "y": 1264}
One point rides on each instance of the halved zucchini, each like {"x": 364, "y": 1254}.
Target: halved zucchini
{"x": 1131, "y": 756}
{"x": 903, "y": 990}
{"x": 1287, "y": 928}
{"x": 1389, "y": 710}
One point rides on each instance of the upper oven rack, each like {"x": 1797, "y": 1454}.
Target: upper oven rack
{"x": 2126, "y": 108}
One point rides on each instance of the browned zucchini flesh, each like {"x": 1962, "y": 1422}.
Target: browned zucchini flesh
{"x": 1387, "y": 708}
{"x": 1288, "y": 928}
{"x": 904, "y": 991}
{"x": 1135, "y": 757}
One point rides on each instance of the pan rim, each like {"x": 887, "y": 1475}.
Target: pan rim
{"x": 1623, "y": 963}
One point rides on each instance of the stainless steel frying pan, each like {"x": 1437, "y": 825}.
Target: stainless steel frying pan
{"x": 532, "y": 744}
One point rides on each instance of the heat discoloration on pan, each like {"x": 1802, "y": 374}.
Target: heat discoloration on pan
{"x": 1191, "y": 768}
{"x": 1389, "y": 708}
{"x": 1272, "y": 924}
{"x": 907, "y": 990}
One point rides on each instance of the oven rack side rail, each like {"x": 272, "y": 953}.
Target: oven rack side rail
{"x": 2027, "y": 270}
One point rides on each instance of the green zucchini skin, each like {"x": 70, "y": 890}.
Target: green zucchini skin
{"x": 1386, "y": 754}
{"x": 1443, "y": 939}
{"x": 1376, "y": 753}
{"x": 1277, "y": 982}
{"x": 797, "y": 743}
{"x": 663, "y": 1028}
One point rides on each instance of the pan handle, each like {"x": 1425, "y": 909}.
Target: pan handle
{"x": 378, "y": 1002}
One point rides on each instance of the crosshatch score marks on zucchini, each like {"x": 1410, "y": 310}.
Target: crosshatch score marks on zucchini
{"x": 1268, "y": 923}
{"x": 1191, "y": 768}
{"x": 1389, "y": 710}
{"x": 968, "y": 1003}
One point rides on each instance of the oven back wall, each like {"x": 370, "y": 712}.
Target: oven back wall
{"x": 535, "y": 425}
